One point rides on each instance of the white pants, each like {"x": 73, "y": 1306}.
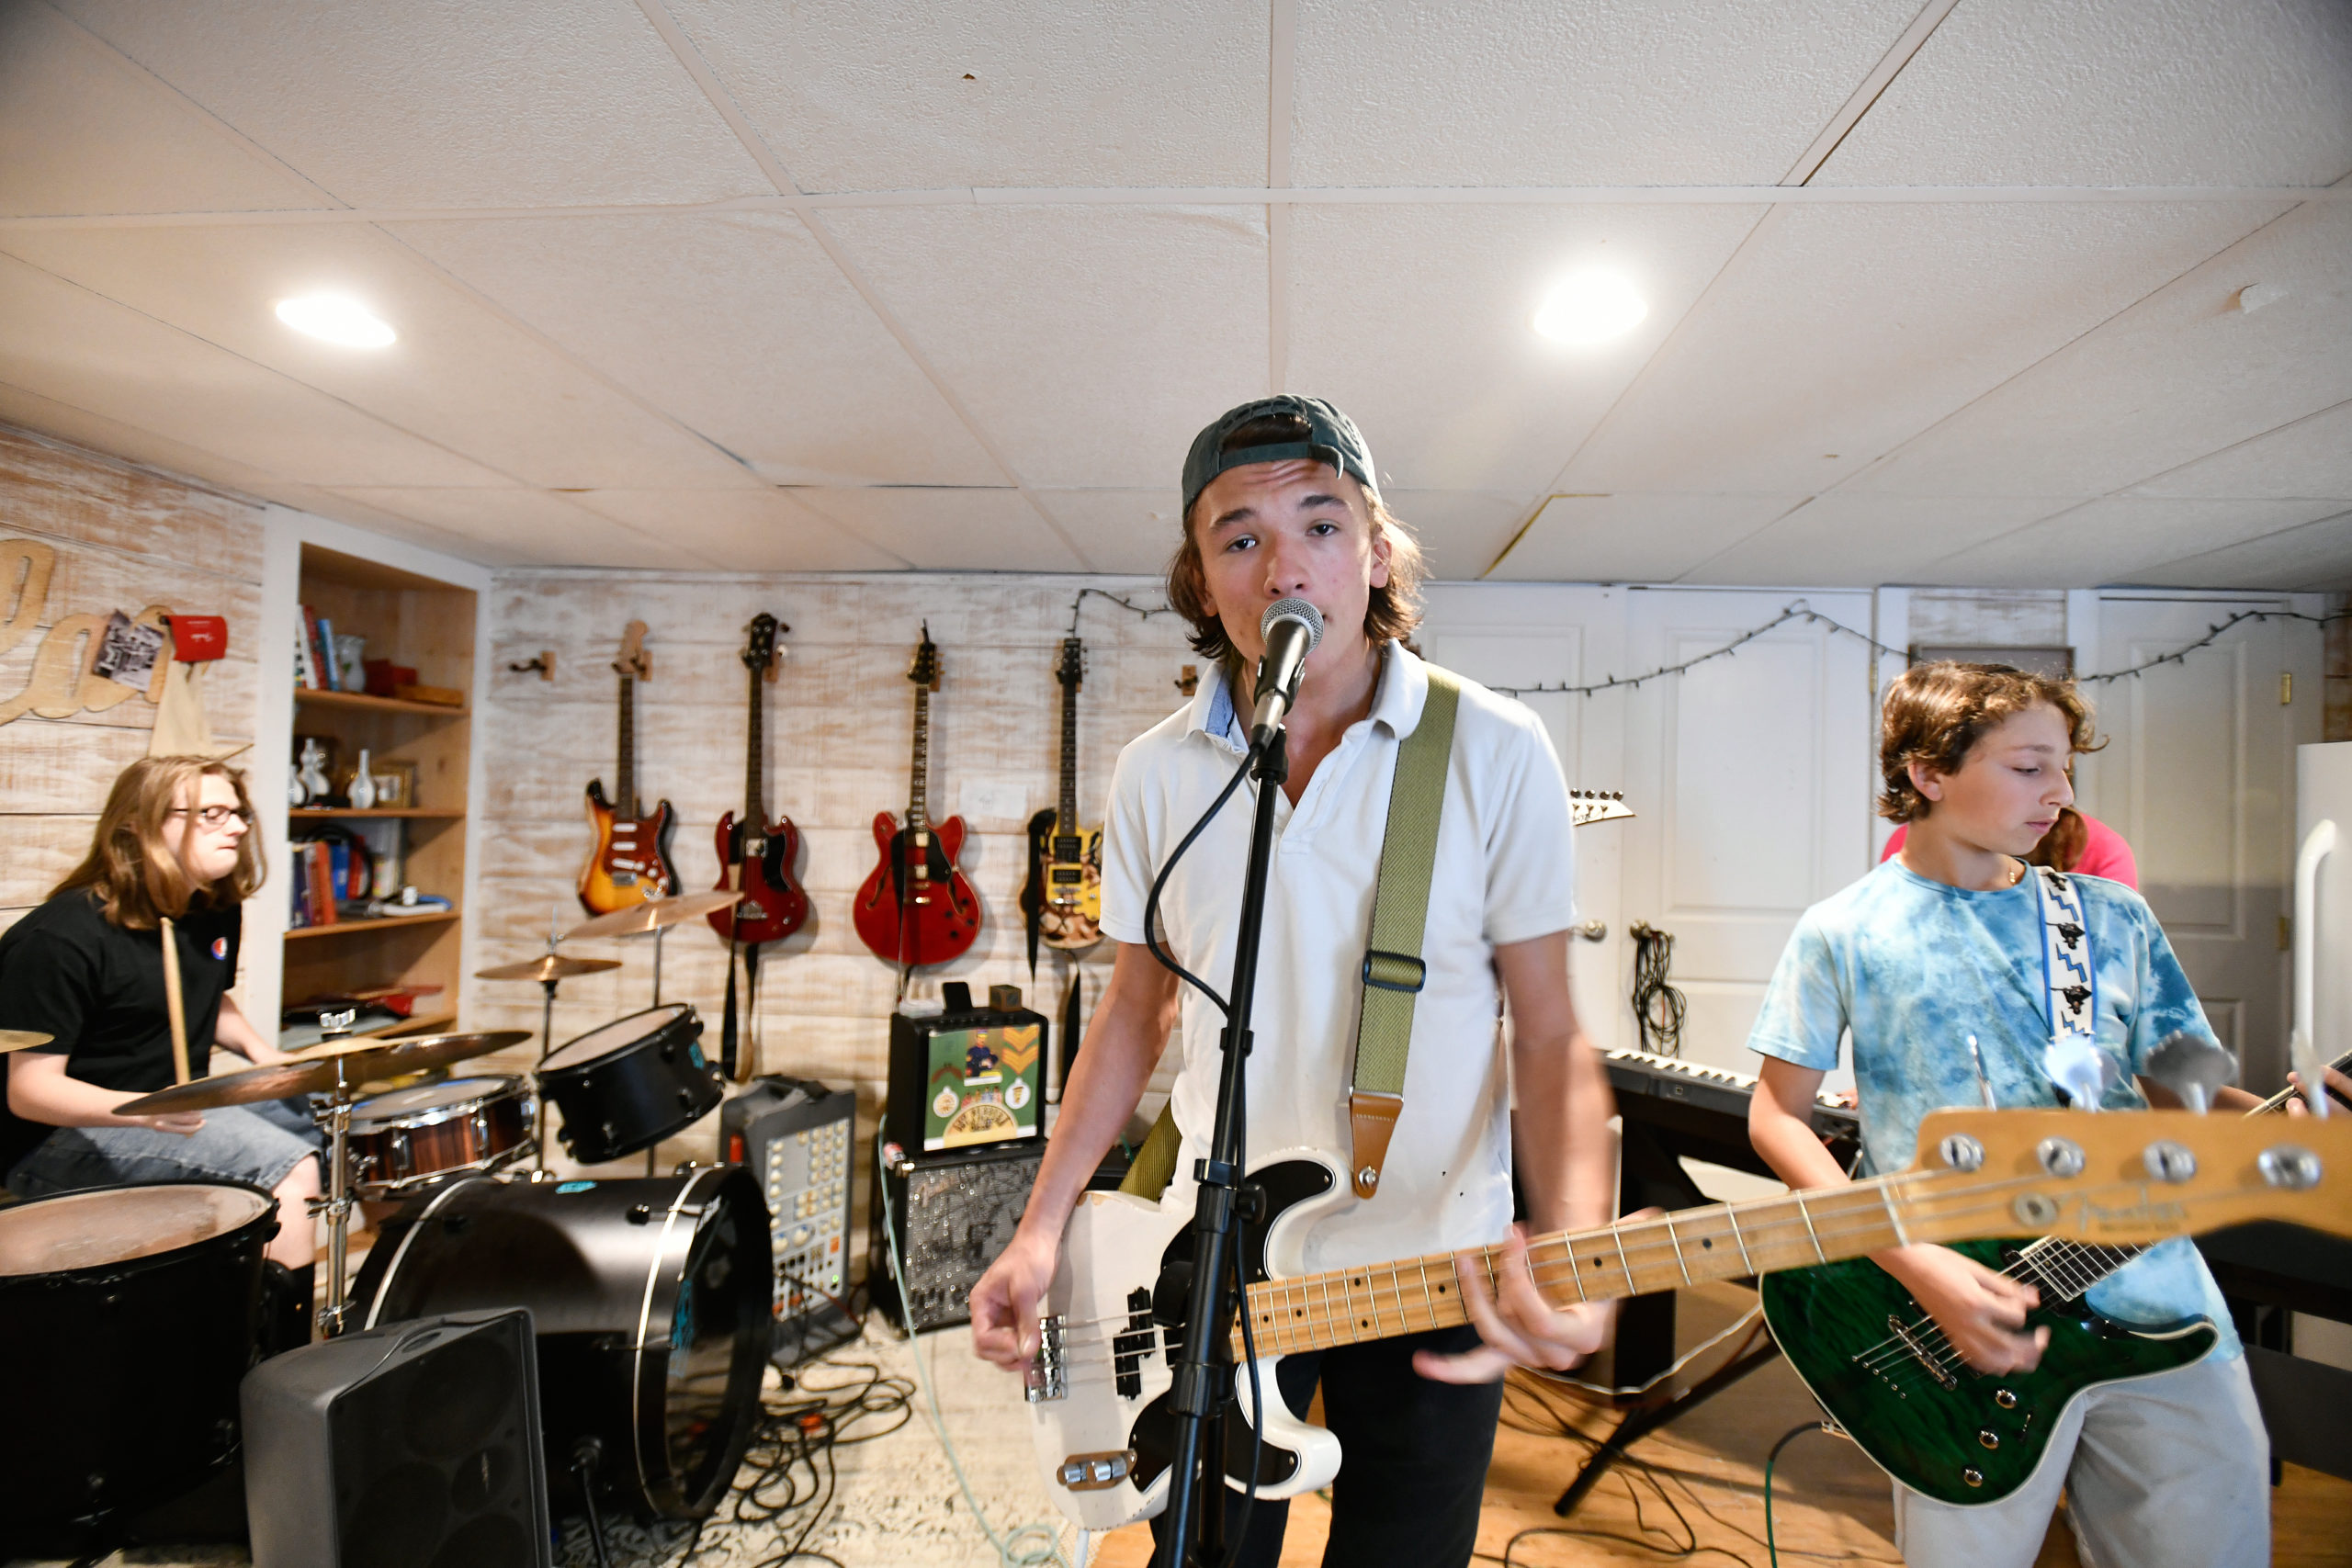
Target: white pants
{"x": 2167, "y": 1472}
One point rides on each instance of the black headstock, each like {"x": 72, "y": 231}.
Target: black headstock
{"x": 1071, "y": 670}
{"x": 759, "y": 644}
{"x": 925, "y": 671}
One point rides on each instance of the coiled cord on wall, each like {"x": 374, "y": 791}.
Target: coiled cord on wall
{"x": 1657, "y": 1006}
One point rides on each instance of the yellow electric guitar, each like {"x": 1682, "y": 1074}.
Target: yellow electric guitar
{"x": 1064, "y": 896}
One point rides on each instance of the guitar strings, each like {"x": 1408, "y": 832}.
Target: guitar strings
{"x": 1933, "y": 1342}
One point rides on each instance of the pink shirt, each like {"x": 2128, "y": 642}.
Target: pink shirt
{"x": 2103, "y": 852}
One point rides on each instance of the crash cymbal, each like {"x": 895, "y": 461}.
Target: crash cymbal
{"x": 353, "y": 1062}
{"x": 21, "y": 1040}
{"x": 654, "y": 916}
{"x": 545, "y": 967}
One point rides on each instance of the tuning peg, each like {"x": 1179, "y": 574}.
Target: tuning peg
{"x": 2191, "y": 1066}
{"x": 2082, "y": 1070}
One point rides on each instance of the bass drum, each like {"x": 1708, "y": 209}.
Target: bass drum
{"x": 130, "y": 1315}
{"x": 650, "y": 1299}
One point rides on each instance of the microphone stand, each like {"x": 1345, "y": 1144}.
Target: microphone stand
{"x": 1204, "y": 1371}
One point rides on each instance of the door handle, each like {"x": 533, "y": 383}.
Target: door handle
{"x": 1594, "y": 931}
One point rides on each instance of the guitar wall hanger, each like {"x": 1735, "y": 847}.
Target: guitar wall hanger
{"x": 544, "y": 664}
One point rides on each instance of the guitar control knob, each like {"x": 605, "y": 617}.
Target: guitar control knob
{"x": 1989, "y": 1438}
{"x": 2005, "y": 1399}
{"x": 1972, "y": 1476}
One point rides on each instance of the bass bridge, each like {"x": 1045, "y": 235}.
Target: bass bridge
{"x": 1047, "y": 1376}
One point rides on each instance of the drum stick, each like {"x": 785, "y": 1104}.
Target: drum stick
{"x": 174, "y": 1006}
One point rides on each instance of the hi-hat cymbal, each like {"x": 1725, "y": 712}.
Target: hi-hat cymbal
{"x": 350, "y": 1062}
{"x": 545, "y": 967}
{"x": 654, "y": 916}
{"x": 21, "y": 1040}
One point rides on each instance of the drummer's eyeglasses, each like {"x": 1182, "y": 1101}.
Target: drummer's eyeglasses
{"x": 214, "y": 818}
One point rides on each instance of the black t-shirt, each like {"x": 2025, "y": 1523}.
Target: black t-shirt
{"x": 66, "y": 971}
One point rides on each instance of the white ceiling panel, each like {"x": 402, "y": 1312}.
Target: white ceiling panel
{"x": 2183, "y": 373}
{"x": 82, "y": 130}
{"x": 1843, "y": 330}
{"x": 2115, "y": 92}
{"x": 1415, "y": 320}
{"x": 1842, "y": 540}
{"x": 514, "y": 527}
{"x": 1632, "y": 538}
{"x": 1122, "y": 530}
{"x": 921, "y": 95}
{"x": 2311, "y": 457}
{"x": 738, "y": 326}
{"x": 1461, "y": 532}
{"x": 66, "y": 343}
{"x": 459, "y": 374}
{"x": 742, "y": 530}
{"x": 949, "y": 530}
{"x": 2315, "y": 557}
{"x": 528, "y": 101}
{"x": 2113, "y": 539}
{"x": 1091, "y": 344}
{"x": 1533, "y": 92}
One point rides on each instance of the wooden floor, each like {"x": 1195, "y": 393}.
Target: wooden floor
{"x": 1697, "y": 1492}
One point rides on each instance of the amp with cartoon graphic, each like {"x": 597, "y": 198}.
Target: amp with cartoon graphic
{"x": 966, "y": 1074}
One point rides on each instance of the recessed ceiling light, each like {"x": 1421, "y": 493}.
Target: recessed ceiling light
{"x": 337, "y": 320}
{"x": 1590, "y": 307}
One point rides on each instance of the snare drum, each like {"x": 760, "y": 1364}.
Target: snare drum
{"x": 631, "y": 1084}
{"x": 412, "y": 1137}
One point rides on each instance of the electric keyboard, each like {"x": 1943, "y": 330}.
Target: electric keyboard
{"x": 1702, "y": 1111}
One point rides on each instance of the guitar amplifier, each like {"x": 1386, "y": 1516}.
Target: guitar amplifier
{"x": 796, "y": 1139}
{"x": 966, "y": 1076}
{"x": 950, "y": 1214}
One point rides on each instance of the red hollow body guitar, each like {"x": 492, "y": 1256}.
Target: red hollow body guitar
{"x": 915, "y": 908}
{"x": 756, "y": 855}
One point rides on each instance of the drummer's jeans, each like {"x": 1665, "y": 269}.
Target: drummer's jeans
{"x": 257, "y": 1143}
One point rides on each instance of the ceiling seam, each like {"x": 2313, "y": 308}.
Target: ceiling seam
{"x": 1880, "y": 77}
{"x": 1766, "y": 527}
{"x": 2344, "y": 516}
{"x": 690, "y": 59}
{"x": 1282, "y": 66}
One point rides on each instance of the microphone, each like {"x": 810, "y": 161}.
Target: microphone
{"x": 1291, "y": 627}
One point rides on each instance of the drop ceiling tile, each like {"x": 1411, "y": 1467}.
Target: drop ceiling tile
{"x": 2311, "y": 457}
{"x": 1841, "y": 332}
{"x": 1531, "y": 92}
{"x": 66, "y": 343}
{"x": 2115, "y": 92}
{"x": 1461, "y": 532}
{"x": 1121, "y": 530}
{"x": 2183, "y": 373}
{"x": 461, "y": 374}
{"x": 948, "y": 530}
{"x": 739, "y": 326}
{"x": 2113, "y": 539}
{"x": 742, "y": 530}
{"x": 910, "y": 95}
{"x": 82, "y": 131}
{"x": 1632, "y": 538}
{"x": 528, "y": 527}
{"x": 1841, "y": 540}
{"x": 1414, "y": 319}
{"x": 2314, "y": 559}
{"x": 524, "y": 103}
{"x": 1091, "y": 344}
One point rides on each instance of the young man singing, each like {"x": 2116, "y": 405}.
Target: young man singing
{"x": 1945, "y": 942}
{"x": 1281, "y": 501}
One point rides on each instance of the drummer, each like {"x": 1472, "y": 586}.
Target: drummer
{"x": 175, "y": 840}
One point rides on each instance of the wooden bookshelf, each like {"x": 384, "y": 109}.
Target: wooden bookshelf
{"x": 428, "y": 625}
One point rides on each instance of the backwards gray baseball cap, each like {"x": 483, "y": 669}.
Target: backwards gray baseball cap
{"x": 1314, "y": 431}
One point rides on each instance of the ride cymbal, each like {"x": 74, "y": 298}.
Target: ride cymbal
{"x": 547, "y": 967}
{"x": 21, "y": 1040}
{"x": 349, "y": 1063}
{"x": 654, "y": 916}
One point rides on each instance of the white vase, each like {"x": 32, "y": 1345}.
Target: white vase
{"x": 363, "y": 785}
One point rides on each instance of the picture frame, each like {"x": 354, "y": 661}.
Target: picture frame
{"x": 395, "y": 782}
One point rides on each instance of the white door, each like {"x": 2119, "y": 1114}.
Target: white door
{"x": 2197, "y": 775}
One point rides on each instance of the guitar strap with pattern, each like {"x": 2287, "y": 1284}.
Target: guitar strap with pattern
{"x": 2069, "y": 977}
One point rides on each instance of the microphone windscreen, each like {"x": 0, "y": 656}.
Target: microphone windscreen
{"x": 1294, "y": 610}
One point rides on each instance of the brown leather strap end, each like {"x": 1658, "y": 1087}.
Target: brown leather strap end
{"x": 1371, "y": 1119}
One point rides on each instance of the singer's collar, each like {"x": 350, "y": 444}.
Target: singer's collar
{"x": 1399, "y": 694}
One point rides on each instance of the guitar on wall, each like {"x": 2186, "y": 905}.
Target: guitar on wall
{"x": 756, "y": 855}
{"x": 1098, "y": 1387}
{"x": 915, "y": 907}
{"x": 1063, "y": 897}
{"x": 630, "y": 862}
{"x": 1883, "y": 1368}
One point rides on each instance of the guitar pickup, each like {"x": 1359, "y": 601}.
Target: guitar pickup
{"x": 1047, "y": 1376}
{"x": 1096, "y": 1473}
{"x": 1910, "y": 1341}
{"x": 1068, "y": 874}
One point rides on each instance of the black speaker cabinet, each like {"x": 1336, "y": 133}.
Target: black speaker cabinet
{"x": 951, "y": 1214}
{"x": 413, "y": 1445}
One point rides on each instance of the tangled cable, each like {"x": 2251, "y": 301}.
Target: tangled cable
{"x": 1657, "y": 1006}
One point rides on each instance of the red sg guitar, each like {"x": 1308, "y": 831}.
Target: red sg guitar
{"x": 915, "y": 907}
{"x": 756, "y": 855}
{"x": 631, "y": 863}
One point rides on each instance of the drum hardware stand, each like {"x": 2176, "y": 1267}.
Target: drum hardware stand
{"x": 335, "y": 1117}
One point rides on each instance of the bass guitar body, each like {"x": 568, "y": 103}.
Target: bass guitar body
{"x": 631, "y": 863}
{"x": 1882, "y": 1370}
{"x": 774, "y": 905}
{"x": 915, "y": 907}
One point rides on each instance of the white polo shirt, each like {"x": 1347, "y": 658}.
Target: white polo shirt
{"x": 1505, "y": 873}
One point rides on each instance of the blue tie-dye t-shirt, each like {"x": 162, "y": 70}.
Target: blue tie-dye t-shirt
{"x": 1913, "y": 967}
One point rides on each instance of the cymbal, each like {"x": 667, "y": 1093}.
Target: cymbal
{"x": 354, "y": 1062}
{"x": 654, "y": 916}
{"x": 545, "y": 967}
{"x": 21, "y": 1040}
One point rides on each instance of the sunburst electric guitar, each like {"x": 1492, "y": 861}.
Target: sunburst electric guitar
{"x": 1098, "y": 1387}
{"x": 1064, "y": 888}
{"x": 1878, "y": 1363}
{"x": 630, "y": 862}
{"x": 915, "y": 907}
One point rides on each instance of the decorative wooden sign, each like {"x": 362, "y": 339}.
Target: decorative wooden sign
{"x": 62, "y": 683}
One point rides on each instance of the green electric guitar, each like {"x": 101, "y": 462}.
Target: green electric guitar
{"x": 1884, "y": 1373}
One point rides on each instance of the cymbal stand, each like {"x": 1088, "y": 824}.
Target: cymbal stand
{"x": 547, "y": 1043}
{"x": 335, "y": 1117}
{"x": 659, "y": 932}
